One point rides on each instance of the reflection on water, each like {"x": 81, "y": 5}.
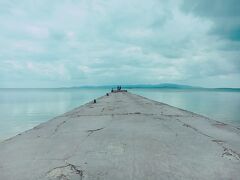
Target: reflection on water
{"x": 21, "y": 109}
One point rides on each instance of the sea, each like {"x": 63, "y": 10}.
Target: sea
{"x": 22, "y": 109}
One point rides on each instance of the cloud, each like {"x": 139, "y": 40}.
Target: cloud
{"x": 73, "y": 43}
{"x": 225, "y": 15}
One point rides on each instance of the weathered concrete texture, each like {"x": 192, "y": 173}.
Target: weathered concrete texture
{"x": 124, "y": 136}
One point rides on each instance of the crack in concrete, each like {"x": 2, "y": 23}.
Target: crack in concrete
{"x": 58, "y": 126}
{"x": 217, "y": 141}
{"x": 227, "y": 151}
{"x": 77, "y": 147}
{"x": 130, "y": 113}
{"x": 230, "y": 152}
{"x": 65, "y": 172}
{"x": 195, "y": 129}
{"x": 94, "y": 130}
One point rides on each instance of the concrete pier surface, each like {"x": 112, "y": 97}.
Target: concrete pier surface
{"x": 124, "y": 136}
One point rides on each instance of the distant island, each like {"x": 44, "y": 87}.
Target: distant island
{"x": 159, "y": 86}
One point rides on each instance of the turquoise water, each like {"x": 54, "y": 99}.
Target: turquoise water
{"x": 219, "y": 105}
{"x": 22, "y": 109}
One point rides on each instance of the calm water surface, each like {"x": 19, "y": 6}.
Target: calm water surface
{"x": 22, "y": 109}
{"x": 219, "y": 105}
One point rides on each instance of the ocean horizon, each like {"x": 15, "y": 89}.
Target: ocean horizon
{"x": 22, "y": 109}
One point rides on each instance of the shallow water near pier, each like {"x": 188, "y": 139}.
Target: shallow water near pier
{"x": 22, "y": 109}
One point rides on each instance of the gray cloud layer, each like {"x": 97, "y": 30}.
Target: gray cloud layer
{"x": 70, "y": 43}
{"x": 224, "y": 14}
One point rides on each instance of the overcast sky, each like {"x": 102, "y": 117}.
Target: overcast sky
{"x": 55, "y": 43}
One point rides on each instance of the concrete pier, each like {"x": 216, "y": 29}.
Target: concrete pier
{"x": 120, "y": 137}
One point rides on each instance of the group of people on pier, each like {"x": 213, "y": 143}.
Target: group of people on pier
{"x": 119, "y": 88}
